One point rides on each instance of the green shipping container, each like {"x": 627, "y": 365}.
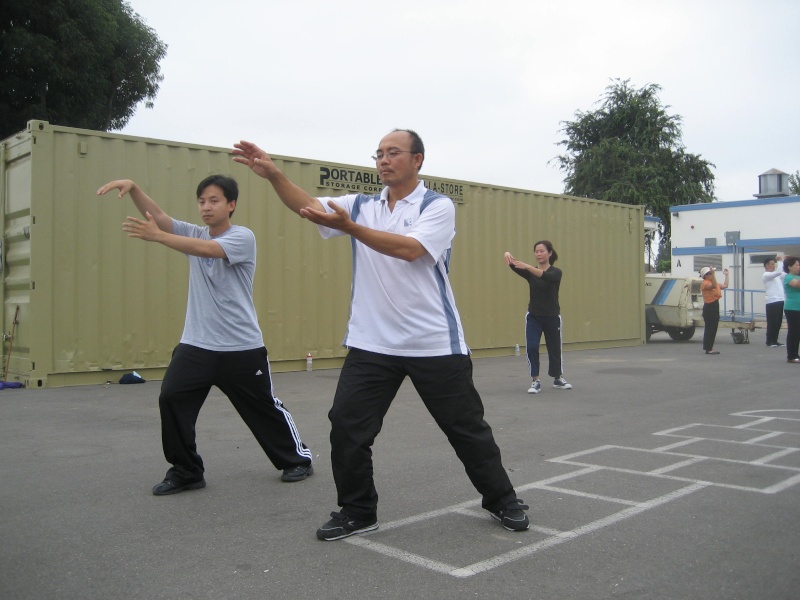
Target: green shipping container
{"x": 83, "y": 303}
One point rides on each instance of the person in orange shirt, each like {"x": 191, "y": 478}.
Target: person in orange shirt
{"x": 712, "y": 292}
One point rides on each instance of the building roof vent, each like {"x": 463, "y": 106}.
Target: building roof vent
{"x": 773, "y": 184}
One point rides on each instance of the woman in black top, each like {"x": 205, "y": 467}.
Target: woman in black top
{"x": 544, "y": 313}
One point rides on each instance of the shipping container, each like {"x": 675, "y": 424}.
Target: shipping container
{"x": 83, "y": 303}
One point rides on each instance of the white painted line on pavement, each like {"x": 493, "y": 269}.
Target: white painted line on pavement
{"x": 567, "y": 457}
{"x": 557, "y": 478}
{"x": 570, "y": 492}
{"x": 785, "y": 484}
{"x": 429, "y": 515}
{"x": 677, "y": 465}
{"x": 780, "y": 454}
{"x": 752, "y": 413}
{"x": 766, "y": 436}
{"x": 392, "y": 552}
{"x": 508, "y": 557}
{"x": 679, "y": 444}
{"x": 674, "y": 429}
{"x": 556, "y": 537}
{"x": 756, "y": 422}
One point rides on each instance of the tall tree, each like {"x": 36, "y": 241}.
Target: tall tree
{"x": 630, "y": 150}
{"x": 794, "y": 183}
{"x": 81, "y": 63}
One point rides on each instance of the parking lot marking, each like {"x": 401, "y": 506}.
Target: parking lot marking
{"x": 770, "y": 457}
{"x": 754, "y": 423}
{"x": 627, "y": 513}
{"x": 482, "y": 515}
{"x": 686, "y": 442}
{"x": 408, "y": 557}
{"x": 766, "y": 436}
{"x": 582, "y": 459}
{"x": 579, "y": 494}
{"x": 677, "y": 465}
{"x": 783, "y": 485}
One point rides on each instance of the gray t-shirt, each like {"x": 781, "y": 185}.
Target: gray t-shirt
{"x": 220, "y": 314}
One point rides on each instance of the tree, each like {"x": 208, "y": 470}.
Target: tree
{"x": 81, "y": 63}
{"x": 794, "y": 183}
{"x": 630, "y": 151}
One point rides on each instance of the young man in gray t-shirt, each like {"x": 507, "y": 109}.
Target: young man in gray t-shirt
{"x": 222, "y": 343}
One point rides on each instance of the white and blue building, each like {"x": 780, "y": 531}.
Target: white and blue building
{"x": 739, "y": 236}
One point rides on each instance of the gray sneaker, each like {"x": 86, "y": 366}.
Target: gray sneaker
{"x": 561, "y": 384}
{"x": 536, "y": 387}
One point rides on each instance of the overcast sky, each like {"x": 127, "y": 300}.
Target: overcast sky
{"x": 486, "y": 84}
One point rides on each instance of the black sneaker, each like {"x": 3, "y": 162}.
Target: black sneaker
{"x": 168, "y": 487}
{"x": 342, "y": 526}
{"x": 297, "y": 473}
{"x": 513, "y": 516}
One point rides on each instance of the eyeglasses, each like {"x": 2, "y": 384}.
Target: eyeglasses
{"x": 391, "y": 154}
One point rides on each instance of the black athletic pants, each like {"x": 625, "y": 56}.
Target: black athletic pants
{"x": 244, "y": 377}
{"x": 774, "y": 321}
{"x": 367, "y": 385}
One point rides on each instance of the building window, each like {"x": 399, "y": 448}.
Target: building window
{"x": 708, "y": 260}
{"x": 758, "y": 259}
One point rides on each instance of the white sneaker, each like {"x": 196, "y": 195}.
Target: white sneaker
{"x": 561, "y": 384}
{"x": 536, "y": 386}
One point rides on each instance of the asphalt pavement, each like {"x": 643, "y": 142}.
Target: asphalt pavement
{"x": 665, "y": 473}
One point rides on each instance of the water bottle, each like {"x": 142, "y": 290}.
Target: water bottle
{"x": 309, "y": 362}
{"x": 516, "y": 350}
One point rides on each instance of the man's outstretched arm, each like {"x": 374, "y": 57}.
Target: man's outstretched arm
{"x": 157, "y": 225}
{"x": 292, "y": 195}
{"x": 149, "y": 231}
{"x": 144, "y": 203}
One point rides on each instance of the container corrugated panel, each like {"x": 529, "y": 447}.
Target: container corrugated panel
{"x": 94, "y": 303}
{"x": 599, "y": 250}
{"x": 15, "y": 186}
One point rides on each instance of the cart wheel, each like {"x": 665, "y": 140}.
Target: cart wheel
{"x": 740, "y": 336}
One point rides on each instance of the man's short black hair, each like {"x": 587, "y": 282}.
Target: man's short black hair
{"x": 228, "y": 185}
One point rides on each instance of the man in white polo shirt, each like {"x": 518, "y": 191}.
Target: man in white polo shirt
{"x": 403, "y": 322}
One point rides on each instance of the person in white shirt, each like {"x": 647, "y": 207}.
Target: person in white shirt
{"x": 774, "y": 298}
{"x": 403, "y": 323}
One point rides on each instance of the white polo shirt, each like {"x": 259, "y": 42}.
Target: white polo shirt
{"x": 397, "y": 307}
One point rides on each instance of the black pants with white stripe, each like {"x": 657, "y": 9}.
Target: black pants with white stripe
{"x": 551, "y": 327}
{"x": 367, "y": 385}
{"x": 244, "y": 377}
